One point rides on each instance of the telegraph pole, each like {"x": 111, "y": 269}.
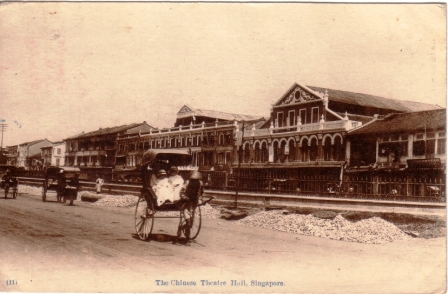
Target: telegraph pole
{"x": 2, "y": 129}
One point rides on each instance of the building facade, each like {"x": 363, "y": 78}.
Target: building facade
{"x": 12, "y": 155}
{"x": 54, "y": 154}
{"x": 400, "y": 153}
{"x": 98, "y": 148}
{"x": 208, "y": 135}
{"x": 29, "y": 154}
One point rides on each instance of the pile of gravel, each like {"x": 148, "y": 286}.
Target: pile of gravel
{"x": 35, "y": 191}
{"x": 373, "y": 230}
{"x": 113, "y": 200}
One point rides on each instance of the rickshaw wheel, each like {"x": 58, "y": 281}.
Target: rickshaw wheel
{"x": 195, "y": 224}
{"x": 144, "y": 218}
{"x": 44, "y": 194}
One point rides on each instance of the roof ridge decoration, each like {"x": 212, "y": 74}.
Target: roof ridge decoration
{"x": 304, "y": 94}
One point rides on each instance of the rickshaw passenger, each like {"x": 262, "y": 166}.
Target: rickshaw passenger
{"x": 163, "y": 188}
{"x": 176, "y": 181}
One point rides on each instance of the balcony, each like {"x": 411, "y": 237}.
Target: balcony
{"x": 292, "y": 130}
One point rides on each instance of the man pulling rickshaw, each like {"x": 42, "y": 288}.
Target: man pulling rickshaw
{"x": 9, "y": 182}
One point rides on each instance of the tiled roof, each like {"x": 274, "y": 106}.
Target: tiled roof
{"x": 366, "y": 100}
{"x": 224, "y": 115}
{"x": 402, "y": 122}
{"x": 106, "y": 131}
{"x": 32, "y": 142}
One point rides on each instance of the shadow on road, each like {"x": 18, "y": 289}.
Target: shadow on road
{"x": 163, "y": 238}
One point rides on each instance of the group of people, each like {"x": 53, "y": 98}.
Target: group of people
{"x": 171, "y": 188}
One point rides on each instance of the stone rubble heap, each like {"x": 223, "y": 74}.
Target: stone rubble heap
{"x": 113, "y": 200}
{"x": 373, "y": 230}
{"x": 35, "y": 191}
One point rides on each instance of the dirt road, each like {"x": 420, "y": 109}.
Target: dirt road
{"x": 53, "y": 247}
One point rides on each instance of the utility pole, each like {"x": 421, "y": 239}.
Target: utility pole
{"x": 240, "y": 154}
{"x": 2, "y": 129}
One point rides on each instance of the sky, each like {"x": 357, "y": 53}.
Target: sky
{"x": 68, "y": 67}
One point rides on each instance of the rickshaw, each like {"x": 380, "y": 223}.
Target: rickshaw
{"x": 9, "y": 181}
{"x": 147, "y": 208}
{"x": 64, "y": 181}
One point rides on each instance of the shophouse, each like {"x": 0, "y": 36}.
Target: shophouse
{"x": 54, "y": 154}
{"x": 97, "y": 149}
{"x": 207, "y": 134}
{"x": 12, "y": 155}
{"x": 405, "y": 150}
{"x": 29, "y": 154}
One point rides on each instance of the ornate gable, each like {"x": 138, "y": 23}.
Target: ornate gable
{"x": 185, "y": 109}
{"x": 298, "y": 94}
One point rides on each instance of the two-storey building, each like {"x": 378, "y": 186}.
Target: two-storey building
{"x": 29, "y": 154}
{"x": 305, "y": 139}
{"x": 54, "y": 154}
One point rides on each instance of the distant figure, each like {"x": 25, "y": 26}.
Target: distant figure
{"x": 99, "y": 184}
{"x": 6, "y": 179}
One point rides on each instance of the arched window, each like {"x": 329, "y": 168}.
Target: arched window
{"x": 313, "y": 149}
{"x": 292, "y": 151}
{"x": 246, "y": 157}
{"x": 327, "y": 149}
{"x": 339, "y": 152}
{"x": 282, "y": 151}
{"x": 257, "y": 152}
{"x": 275, "y": 147}
{"x": 264, "y": 152}
{"x": 305, "y": 150}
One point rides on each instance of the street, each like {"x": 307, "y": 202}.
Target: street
{"x": 53, "y": 247}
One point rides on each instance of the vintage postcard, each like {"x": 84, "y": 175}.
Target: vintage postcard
{"x": 222, "y": 147}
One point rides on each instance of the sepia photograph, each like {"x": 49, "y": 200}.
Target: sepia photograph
{"x": 223, "y": 147}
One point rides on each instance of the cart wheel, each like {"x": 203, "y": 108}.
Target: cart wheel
{"x": 44, "y": 194}
{"x": 144, "y": 218}
{"x": 15, "y": 191}
{"x": 194, "y": 226}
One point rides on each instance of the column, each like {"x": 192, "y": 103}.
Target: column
{"x": 377, "y": 149}
{"x": 347, "y": 151}
{"x": 410, "y": 144}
